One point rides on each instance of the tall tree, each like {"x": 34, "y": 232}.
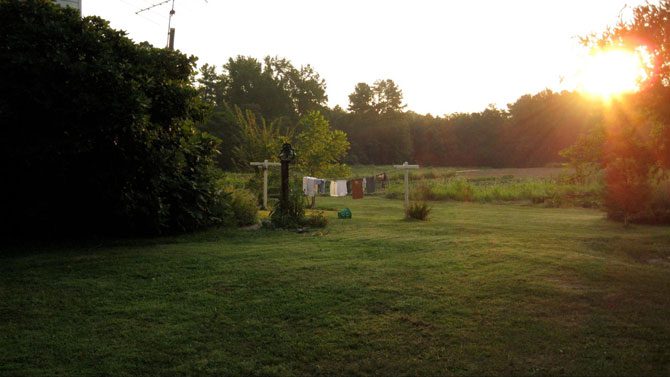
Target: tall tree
{"x": 361, "y": 100}
{"x": 637, "y": 141}
{"x": 387, "y": 97}
{"x": 649, "y": 30}
{"x": 383, "y": 97}
{"x": 210, "y": 85}
{"x": 250, "y": 87}
{"x": 273, "y": 88}
{"x": 221, "y": 122}
{"x": 305, "y": 88}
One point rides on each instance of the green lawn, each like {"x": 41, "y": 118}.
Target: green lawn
{"x": 479, "y": 289}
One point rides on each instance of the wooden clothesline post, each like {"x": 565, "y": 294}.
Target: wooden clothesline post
{"x": 406, "y": 168}
{"x": 265, "y": 165}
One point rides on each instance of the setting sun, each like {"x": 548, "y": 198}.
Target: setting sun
{"x": 610, "y": 73}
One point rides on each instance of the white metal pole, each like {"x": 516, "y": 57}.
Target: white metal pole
{"x": 265, "y": 184}
{"x": 405, "y": 166}
{"x": 266, "y": 166}
{"x": 406, "y": 186}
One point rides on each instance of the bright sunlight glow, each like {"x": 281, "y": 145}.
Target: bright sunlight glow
{"x": 610, "y": 73}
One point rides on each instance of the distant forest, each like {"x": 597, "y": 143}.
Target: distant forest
{"x": 528, "y": 133}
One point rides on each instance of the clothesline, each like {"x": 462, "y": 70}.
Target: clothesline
{"x": 341, "y": 187}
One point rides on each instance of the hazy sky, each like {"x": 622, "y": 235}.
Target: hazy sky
{"x": 446, "y": 56}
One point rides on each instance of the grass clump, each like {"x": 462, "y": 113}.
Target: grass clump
{"x": 418, "y": 211}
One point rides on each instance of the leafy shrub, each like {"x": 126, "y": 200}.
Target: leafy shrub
{"x": 316, "y": 220}
{"x": 293, "y": 214}
{"x": 418, "y": 210}
{"x": 657, "y": 210}
{"x": 628, "y": 188}
{"x": 108, "y": 124}
{"x": 660, "y": 202}
{"x": 244, "y": 207}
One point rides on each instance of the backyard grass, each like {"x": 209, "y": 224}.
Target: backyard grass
{"x": 480, "y": 289}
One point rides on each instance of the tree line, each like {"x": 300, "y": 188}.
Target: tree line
{"x": 529, "y": 132}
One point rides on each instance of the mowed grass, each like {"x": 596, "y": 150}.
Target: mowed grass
{"x": 478, "y": 289}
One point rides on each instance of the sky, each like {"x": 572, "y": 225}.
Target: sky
{"x": 446, "y": 56}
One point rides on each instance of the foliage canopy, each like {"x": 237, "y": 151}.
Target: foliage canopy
{"x": 99, "y": 132}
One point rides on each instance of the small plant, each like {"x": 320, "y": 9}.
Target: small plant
{"x": 316, "y": 220}
{"x": 418, "y": 210}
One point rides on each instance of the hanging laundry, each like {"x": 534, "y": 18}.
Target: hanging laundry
{"x": 342, "y": 188}
{"x": 383, "y": 178}
{"x": 357, "y": 189}
{"x": 321, "y": 186}
{"x": 369, "y": 185}
{"x": 338, "y": 188}
{"x": 310, "y": 186}
{"x": 348, "y": 186}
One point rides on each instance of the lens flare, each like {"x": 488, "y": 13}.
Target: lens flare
{"x": 610, "y": 73}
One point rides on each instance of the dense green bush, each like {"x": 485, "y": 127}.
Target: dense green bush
{"x": 292, "y": 215}
{"x": 98, "y": 132}
{"x": 244, "y": 206}
{"x": 655, "y": 211}
{"x": 660, "y": 202}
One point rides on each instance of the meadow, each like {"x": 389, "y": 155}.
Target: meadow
{"x": 479, "y": 289}
{"x": 551, "y": 186}
{"x": 547, "y": 187}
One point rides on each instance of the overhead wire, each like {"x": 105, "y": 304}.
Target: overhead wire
{"x": 143, "y": 16}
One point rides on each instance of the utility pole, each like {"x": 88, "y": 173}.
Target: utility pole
{"x": 171, "y": 30}
{"x": 171, "y": 39}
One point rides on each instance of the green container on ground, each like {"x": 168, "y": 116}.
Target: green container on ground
{"x": 344, "y": 213}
